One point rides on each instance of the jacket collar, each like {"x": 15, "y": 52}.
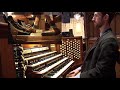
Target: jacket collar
{"x": 103, "y": 33}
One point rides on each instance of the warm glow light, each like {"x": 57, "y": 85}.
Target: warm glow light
{"x": 10, "y": 13}
{"x": 79, "y": 30}
{"x": 32, "y": 15}
{"x": 4, "y": 13}
{"x": 14, "y": 16}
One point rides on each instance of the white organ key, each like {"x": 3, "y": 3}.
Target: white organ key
{"x": 52, "y": 66}
{"x": 45, "y": 48}
{"x": 27, "y": 51}
{"x": 39, "y": 49}
{"x": 62, "y": 70}
{"x": 37, "y": 56}
{"x": 35, "y": 50}
{"x": 46, "y": 60}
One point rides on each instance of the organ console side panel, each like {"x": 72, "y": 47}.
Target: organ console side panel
{"x": 7, "y": 65}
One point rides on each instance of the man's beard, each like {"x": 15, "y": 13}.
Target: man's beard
{"x": 97, "y": 26}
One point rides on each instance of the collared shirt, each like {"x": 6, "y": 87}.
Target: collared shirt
{"x": 101, "y": 34}
{"x": 78, "y": 75}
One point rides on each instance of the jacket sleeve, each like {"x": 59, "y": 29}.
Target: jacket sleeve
{"x": 106, "y": 60}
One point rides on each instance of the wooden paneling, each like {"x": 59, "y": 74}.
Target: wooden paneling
{"x": 42, "y": 23}
{"x": 90, "y": 31}
{"x": 113, "y": 25}
{"x": 7, "y": 64}
{"x": 117, "y": 24}
{"x": 27, "y": 39}
{"x": 117, "y": 68}
{"x": 20, "y": 17}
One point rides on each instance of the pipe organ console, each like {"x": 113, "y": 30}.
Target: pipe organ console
{"x": 37, "y": 61}
{"x": 42, "y": 62}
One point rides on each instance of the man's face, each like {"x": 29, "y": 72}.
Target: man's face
{"x": 98, "y": 19}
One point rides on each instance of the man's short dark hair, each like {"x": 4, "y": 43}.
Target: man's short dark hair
{"x": 111, "y": 15}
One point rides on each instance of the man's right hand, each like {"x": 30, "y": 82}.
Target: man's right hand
{"x": 72, "y": 73}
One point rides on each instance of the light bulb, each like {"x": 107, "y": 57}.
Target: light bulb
{"x": 77, "y": 16}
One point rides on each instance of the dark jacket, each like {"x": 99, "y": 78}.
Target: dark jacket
{"x": 100, "y": 60}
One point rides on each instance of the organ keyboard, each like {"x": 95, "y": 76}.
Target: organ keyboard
{"x": 57, "y": 74}
{"x": 41, "y": 62}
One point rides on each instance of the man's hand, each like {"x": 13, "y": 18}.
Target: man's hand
{"x": 72, "y": 73}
